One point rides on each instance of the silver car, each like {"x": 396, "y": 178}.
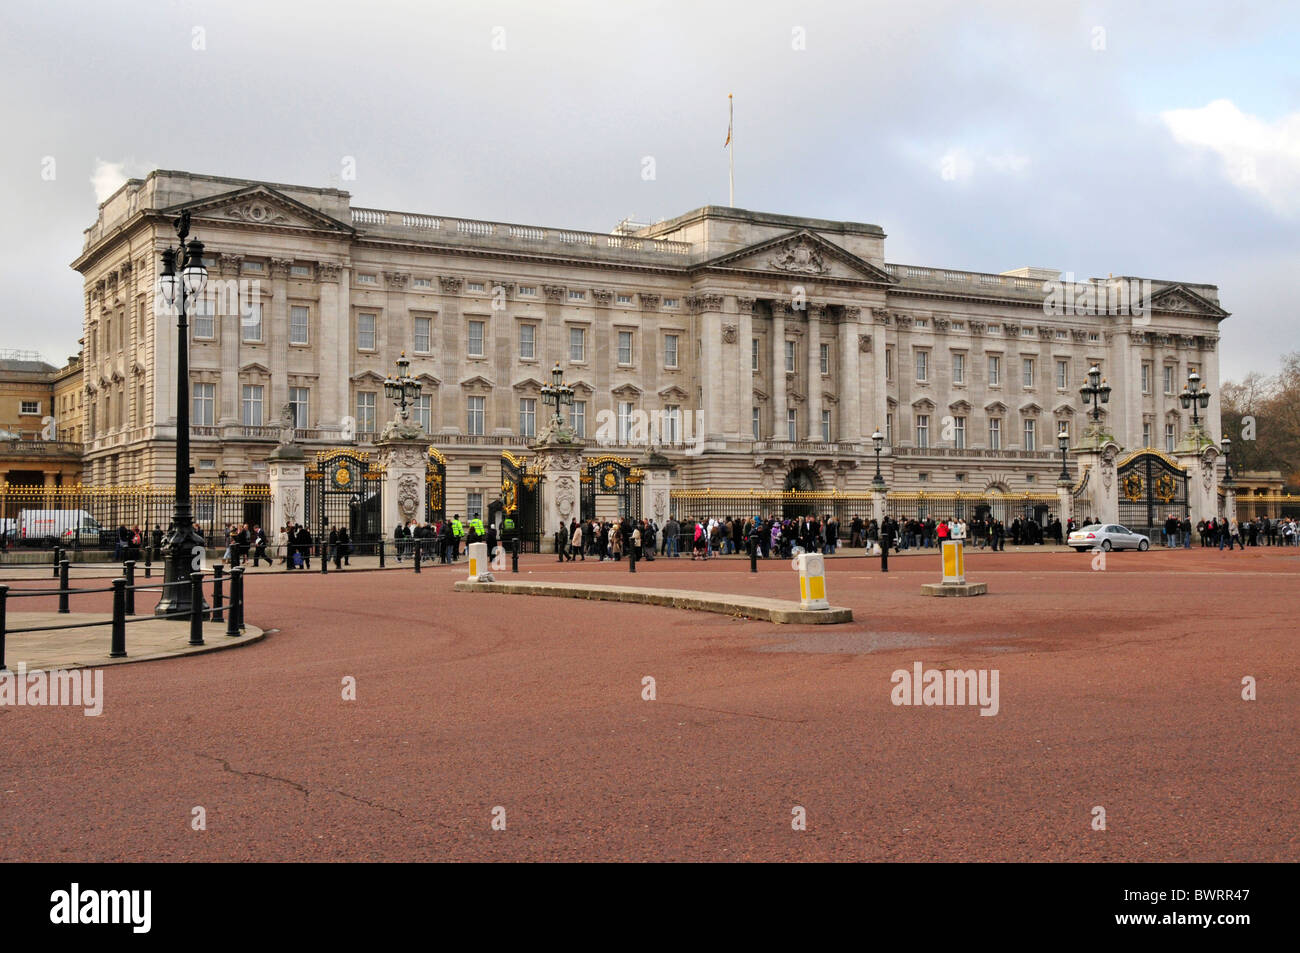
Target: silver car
{"x": 1107, "y": 536}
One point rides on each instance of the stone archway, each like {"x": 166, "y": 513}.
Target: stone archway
{"x": 805, "y": 479}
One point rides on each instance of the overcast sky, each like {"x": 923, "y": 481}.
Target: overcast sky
{"x": 1161, "y": 141}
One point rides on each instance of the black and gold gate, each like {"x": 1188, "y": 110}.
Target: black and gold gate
{"x": 1152, "y": 487}
{"x": 435, "y": 487}
{"x": 520, "y": 503}
{"x": 609, "y": 475}
{"x": 344, "y": 490}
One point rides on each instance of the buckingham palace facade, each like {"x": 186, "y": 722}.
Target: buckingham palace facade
{"x": 765, "y": 348}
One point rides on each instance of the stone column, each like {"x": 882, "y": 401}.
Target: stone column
{"x": 402, "y": 452}
{"x": 1100, "y": 501}
{"x": 815, "y": 314}
{"x": 1202, "y": 462}
{"x": 560, "y": 462}
{"x": 1064, "y": 502}
{"x": 779, "y": 431}
{"x": 655, "y": 487}
{"x": 330, "y": 343}
{"x": 286, "y": 468}
{"x": 347, "y": 347}
{"x": 278, "y": 351}
{"x": 878, "y": 506}
{"x": 880, "y": 384}
{"x": 230, "y": 324}
{"x": 745, "y": 367}
{"x": 708, "y": 308}
{"x": 849, "y": 380}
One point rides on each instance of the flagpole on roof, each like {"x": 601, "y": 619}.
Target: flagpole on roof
{"x": 731, "y": 153}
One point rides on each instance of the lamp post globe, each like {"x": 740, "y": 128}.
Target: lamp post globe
{"x": 1063, "y": 441}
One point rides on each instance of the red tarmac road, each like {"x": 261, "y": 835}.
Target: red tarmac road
{"x": 1118, "y": 688}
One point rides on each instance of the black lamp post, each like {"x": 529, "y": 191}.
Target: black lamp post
{"x": 221, "y": 479}
{"x": 878, "y": 439}
{"x": 1096, "y": 391}
{"x": 403, "y": 390}
{"x": 183, "y": 544}
{"x": 1063, "y": 441}
{"x": 1195, "y": 397}
{"x": 557, "y": 393}
{"x": 1227, "y": 465}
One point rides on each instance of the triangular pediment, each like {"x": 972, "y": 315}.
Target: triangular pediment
{"x": 477, "y": 382}
{"x": 1029, "y": 407}
{"x": 673, "y": 393}
{"x": 996, "y": 407}
{"x": 799, "y": 255}
{"x": 528, "y": 383}
{"x": 260, "y": 206}
{"x": 428, "y": 380}
{"x": 257, "y": 366}
{"x": 582, "y": 387}
{"x": 629, "y": 391}
{"x": 923, "y": 403}
{"x": 959, "y": 407}
{"x": 1178, "y": 298}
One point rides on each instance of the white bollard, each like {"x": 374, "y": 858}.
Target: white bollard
{"x": 479, "y": 570}
{"x": 812, "y": 581}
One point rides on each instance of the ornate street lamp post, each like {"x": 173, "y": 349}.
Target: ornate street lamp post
{"x": 403, "y": 390}
{"x": 557, "y": 393}
{"x": 221, "y": 479}
{"x": 182, "y": 545}
{"x": 1063, "y": 441}
{"x": 1227, "y": 465}
{"x": 878, "y": 439}
{"x": 1096, "y": 391}
{"x": 1194, "y": 396}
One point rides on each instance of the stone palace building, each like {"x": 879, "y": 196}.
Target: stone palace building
{"x": 765, "y": 349}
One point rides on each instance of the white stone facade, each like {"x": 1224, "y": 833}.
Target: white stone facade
{"x": 726, "y": 319}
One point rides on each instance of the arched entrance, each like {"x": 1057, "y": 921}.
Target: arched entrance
{"x": 800, "y": 479}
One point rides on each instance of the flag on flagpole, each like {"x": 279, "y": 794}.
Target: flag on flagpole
{"x": 729, "y": 118}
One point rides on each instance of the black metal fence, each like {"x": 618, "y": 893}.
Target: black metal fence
{"x": 106, "y": 519}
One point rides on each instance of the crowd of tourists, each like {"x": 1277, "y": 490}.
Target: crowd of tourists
{"x": 1225, "y": 533}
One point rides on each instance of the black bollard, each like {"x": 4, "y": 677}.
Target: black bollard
{"x": 148, "y": 561}
{"x": 128, "y": 573}
{"x": 514, "y": 554}
{"x": 217, "y": 593}
{"x": 419, "y": 548}
{"x": 63, "y": 586}
{"x": 58, "y": 557}
{"x": 753, "y": 555}
{"x": 4, "y": 598}
{"x": 884, "y": 556}
{"x": 117, "y": 647}
{"x": 631, "y": 559}
{"x": 324, "y": 559}
{"x": 236, "y": 602}
{"x": 196, "y": 608}
{"x": 381, "y": 554}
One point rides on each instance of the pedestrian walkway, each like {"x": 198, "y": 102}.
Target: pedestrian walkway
{"x": 88, "y": 647}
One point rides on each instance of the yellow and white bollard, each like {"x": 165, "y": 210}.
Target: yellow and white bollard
{"x": 479, "y": 568}
{"x": 812, "y": 581}
{"x": 954, "y": 562}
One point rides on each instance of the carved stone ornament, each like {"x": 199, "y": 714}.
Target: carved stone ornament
{"x": 728, "y": 334}
{"x": 1207, "y": 476}
{"x": 1011, "y": 330}
{"x": 801, "y": 257}
{"x": 881, "y": 315}
{"x": 660, "y": 506}
{"x": 707, "y": 302}
{"x": 864, "y": 343}
{"x": 602, "y": 296}
{"x": 565, "y": 496}
{"x": 287, "y": 421}
{"x": 649, "y": 301}
{"x": 554, "y": 293}
{"x": 852, "y": 313}
{"x": 408, "y": 496}
{"x": 291, "y": 505}
{"x": 230, "y": 264}
{"x": 257, "y": 213}
{"x": 328, "y": 270}
{"x": 396, "y": 279}
{"x": 745, "y": 305}
{"x": 451, "y": 284}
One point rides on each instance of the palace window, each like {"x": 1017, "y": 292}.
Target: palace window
{"x": 1031, "y": 434}
{"x": 889, "y": 363}
{"x": 30, "y": 407}
{"x": 995, "y": 433}
{"x": 297, "y": 325}
{"x": 1027, "y": 371}
{"x": 423, "y": 342}
{"x": 959, "y": 433}
{"x": 300, "y": 271}
{"x": 790, "y": 355}
{"x": 365, "y": 279}
{"x": 959, "y": 368}
{"x": 923, "y": 430}
{"x": 421, "y": 282}
{"x": 252, "y": 324}
{"x": 754, "y": 416}
{"x": 1171, "y": 437}
{"x": 298, "y": 400}
{"x": 577, "y": 345}
{"x": 474, "y": 503}
{"x": 205, "y": 325}
{"x": 205, "y": 400}
{"x": 753, "y": 355}
{"x": 624, "y": 420}
{"x": 826, "y": 426}
{"x": 527, "y": 291}
{"x": 624, "y": 347}
{"x": 670, "y": 302}
{"x": 578, "y": 418}
{"x": 624, "y": 299}
{"x": 672, "y": 425}
{"x": 1169, "y": 378}
{"x": 475, "y": 418}
{"x": 824, "y": 358}
{"x": 252, "y": 405}
{"x": 791, "y": 424}
{"x": 475, "y": 286}
{"x": 922, "y": 366}
{"x": 527, "y": 416}
{"x": 474, "y": 348}
{"x": 423, "y": 411}
{"x": 366, "y": 412}
{"x": 577, "y": 296}
{"x": 1062, "y": 374}
{"x": 670, "y": 350}
{"x": 889, "y": 430}
{"x": 527, "y": 342}
{"x": 365, "y": 332}
{"x": 1146, "y": 435}
{"x": 995, "y": 370}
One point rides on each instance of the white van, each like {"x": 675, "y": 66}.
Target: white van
{"x": 62, "y": 526}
